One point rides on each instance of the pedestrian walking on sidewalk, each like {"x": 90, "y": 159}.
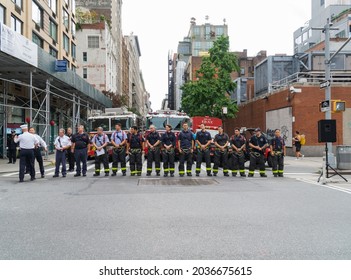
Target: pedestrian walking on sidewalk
{"x": 298, "y": 145}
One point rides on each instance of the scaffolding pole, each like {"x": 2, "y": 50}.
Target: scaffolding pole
{"x": 47, "y": 116}
{"x": 30, "y": 98}
{"x": 4, "y": 122}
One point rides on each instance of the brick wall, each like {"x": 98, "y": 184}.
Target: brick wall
{"x": 305, "y": 111}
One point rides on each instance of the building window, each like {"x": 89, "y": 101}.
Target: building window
{"x": 18, "y": 3}
{"x": 53, "y": 30}
{"x": 207, "y": 32}
{"x": 16, "y": 24}
{"x": 37, "y": 14}
{"x": 219, "y": 31}
{"x": 322, "y": 2}
{"x": 196, "y": 31}
{"x": 73, "y": 28}
{"x": 85, "y": 73}
{"x": 93, "y": 42}
{"x": 2, "y": 14}
{"x": 53, "y": 52}
{"x": 37, "y": 40}
{"x": 73, "y": 6}
{"x": 85, "y": 56}
{"x": 65, "y": 18}
{"x": 74, "y": 69}
{"x": 73, "y": 50}
{"x": 53, "y": 5}
{"x": 66, "y": 43}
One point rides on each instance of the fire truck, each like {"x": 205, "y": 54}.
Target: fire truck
{"x": 161, "y": 118}
{"x": 211, "y": 125}
{"x": 108, "y": 121}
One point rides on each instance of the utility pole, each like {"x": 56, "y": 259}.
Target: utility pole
{"x": 328, "y": 60}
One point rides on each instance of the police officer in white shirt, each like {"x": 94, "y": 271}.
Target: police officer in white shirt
{"x": 27, "y": 143}
{"x": 37, "y": 152}
{"x": 62, "y": 144}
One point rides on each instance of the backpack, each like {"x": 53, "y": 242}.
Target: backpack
{"x": 303, "y": 139}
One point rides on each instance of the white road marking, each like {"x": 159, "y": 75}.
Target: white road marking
{"x": 328, "y": 186}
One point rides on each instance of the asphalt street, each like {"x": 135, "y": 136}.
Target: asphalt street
{"x": 175, "y": 218}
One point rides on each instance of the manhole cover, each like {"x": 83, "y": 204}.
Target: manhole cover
{"x": 176, "y": 182}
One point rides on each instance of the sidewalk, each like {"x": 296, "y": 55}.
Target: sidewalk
{"x": 6, "y": 167}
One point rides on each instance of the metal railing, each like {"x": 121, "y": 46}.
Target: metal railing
{"x": 309, "y": 78}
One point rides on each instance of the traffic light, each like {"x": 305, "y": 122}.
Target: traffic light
{"x": 338, "y": 106}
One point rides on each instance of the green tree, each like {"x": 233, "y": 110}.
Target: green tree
{"x": 210, "y": 92}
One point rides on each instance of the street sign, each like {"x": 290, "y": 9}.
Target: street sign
{"x": 324, "y": 84}
{"x": 325, "y": 106}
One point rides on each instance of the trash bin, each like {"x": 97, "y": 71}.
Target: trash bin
{"x": 343, "y": 157}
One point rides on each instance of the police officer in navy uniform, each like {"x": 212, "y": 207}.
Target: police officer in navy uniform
{"x": 153, "y": 141}
{"x": 278, "y": 151}
{"x": 258, "y": 143}
{"x": 221, "y": 141}
{"x": 119, "y": 142}
{"x": 135, "y": 151}
{"x": 100, "y": 142}
{"x": 80, "y": 147}
{"x": 27, "y": 143}
{"x": 238, "y": 144}
{"x": 186, "y": 148}
{"x": 169, "y": 142}
{"x": 203, "y": 141}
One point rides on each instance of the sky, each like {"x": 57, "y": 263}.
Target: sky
{"x": 254, "y": 25}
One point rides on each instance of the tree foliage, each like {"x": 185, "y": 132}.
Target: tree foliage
{"x": 210, "y": 92}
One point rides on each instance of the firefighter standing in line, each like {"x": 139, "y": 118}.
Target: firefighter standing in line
{"x": 238, "y": 143}
{"x": 153, "y": 141}
{"x": 37, "y": 152}
{"x": 186, "y": 148}
{"x": 257, "y": 143}
{"x": 203, "y": 141}
{"x": 100, "y": 142}
{"x": 119, "y": 142}
{"x": 80, "y": 146}
{"x": 169, "y": 142}
{"x": 278, "y": 151}
{"x": 221, "y": 141}
{"x": 135, "y": 151}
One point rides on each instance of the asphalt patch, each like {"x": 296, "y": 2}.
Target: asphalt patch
{"x": 176, "y": 182}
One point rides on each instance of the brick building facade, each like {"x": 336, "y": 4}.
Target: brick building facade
{"x": 295, "y": 111}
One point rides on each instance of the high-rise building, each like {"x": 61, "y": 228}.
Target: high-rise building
{"x": 96, "y": 56}
{"x": 339, "y": 14}
{"x": 50, "y": 24}
{"x": 111, "y": 10}
{"x": 195, "y": 45}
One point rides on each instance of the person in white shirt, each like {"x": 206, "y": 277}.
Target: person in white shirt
{"x": 27, "y": 143}
{"x": 37, "y": 152}
{"x": 100, "y": 141}
{"x": 62, "y": 144}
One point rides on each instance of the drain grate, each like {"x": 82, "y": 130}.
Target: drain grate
{"x": 176, "y": 182}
